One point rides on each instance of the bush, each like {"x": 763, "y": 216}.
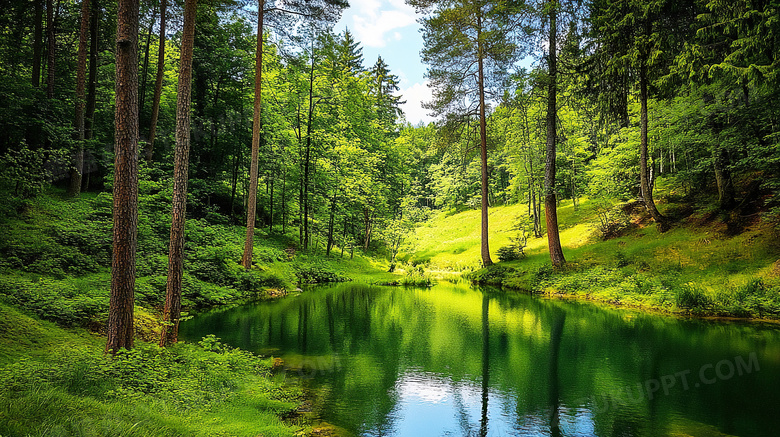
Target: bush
{"x": 416, "y": 277}
{"x": 692, "y": 297}
{"x": 509, "y": 253}
{"x": 491, "y": 275}
{"x": 69, "y": 302}
{"x": 612, "y": 221}
{"x": 317, "y": 274}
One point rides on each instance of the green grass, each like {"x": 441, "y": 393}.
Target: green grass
{"x": 57, "y": 382}
{"x": 696, "y": 267}
{"x": 54, "y": 289}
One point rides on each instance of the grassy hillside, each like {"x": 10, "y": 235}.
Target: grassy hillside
{"x": 54, "y": 289}
{"x": 705, "y": 264}
{"x": 451, "y": 241}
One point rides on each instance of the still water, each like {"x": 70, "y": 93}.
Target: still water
{"x": 457, "y": 361}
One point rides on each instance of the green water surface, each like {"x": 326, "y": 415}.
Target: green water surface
{"x": 455, "y": 361}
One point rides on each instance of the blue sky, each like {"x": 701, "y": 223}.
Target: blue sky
{"x": 389, "y": 28}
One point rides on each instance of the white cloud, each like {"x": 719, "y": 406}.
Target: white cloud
{"x": 414, "y": 96}
{"x": 373, "y": 19}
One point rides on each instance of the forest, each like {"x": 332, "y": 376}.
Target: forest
{"x": 164, "y": 161}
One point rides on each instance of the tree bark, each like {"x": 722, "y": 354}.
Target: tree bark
{"x": 367, "y": 223}
{"x": 246, "y": 261}
{"x": 307, "y": 160}
{"x": 271, "y": 205}
{"x": 119, "y": 329}
{"x": 550, "y": 198}
{"x": 89, "y": 117}
{"x": 485, "y": 249}
{"x": 331, "y": 222}
{"x": 723, "y": 178}
{"x": 644, "y": 172}
{"x": 81, "y": 78}
{"x": 149, "y": 152}
{"x": 172, "y": 310}
{"x": 51, "y": 35}
{"x": 37, "y": 43}
{"x": 145, "y": 69}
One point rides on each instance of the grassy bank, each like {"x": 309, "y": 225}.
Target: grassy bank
{"x": 57, "y": 382}
{"x": 54, "y": 290}
{"x": 706, "y": 264}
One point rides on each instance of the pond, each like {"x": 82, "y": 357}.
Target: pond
{"x": 455, "y": 361}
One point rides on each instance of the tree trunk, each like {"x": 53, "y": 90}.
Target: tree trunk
{"x": 485, "y": 249}
{"x": 81, "y": 78}
{"x": 331, "y": 223}
{"x": 644, "y": 173}
{"x": 252, "y": 201}
{"x": 344, "y": 237}
{"x": 723, "y": 178}
{"x": 89, "y": 117}
{"x": 271, "y": 205}
{"x": 37, "y": 43}
{"x": 51, "y": 35}
{"x": 284, "y": 201}
{"x": 119, "y": 329}
{"x": 367, "y": 223}
{"x": 550, "y": 200}
{"x": 234, "y": 182}
{"x": 307, "y": 160}
{"x": 145, "y": 69}
{"x": 149, "y": 152}
{"x": 172, "y": 310}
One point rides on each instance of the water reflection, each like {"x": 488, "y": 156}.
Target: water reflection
{"x": 455, "y": 361}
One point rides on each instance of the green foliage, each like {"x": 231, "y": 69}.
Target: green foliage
{"x": 146, "y": 391}
{"x": 613, "y": 220}
{"x": 415, "y": 276}
{"x": 516, "y": 250}
{"x": 509, "y": 253}
{"x": 692, "y": 297}
{"x": 68, "y": 302}
{"x": 23, "y": 171}
{"x": 491, "y": 275}
{"x": 316, "y": 273}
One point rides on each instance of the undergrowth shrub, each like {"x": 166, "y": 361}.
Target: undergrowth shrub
{"x": 692, "y": 297}
{"x": 317, "y": 274}
{"x": 184, "y": 376}
{"x": 509, "y": 253}
{"x": 68, "y": 302}
{"x": 416, "y": 277}
{"x": 491, "y": 275}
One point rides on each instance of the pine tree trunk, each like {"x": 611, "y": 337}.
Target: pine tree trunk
{"x": 37, "y": 43}
{"x": 81, "y": 78}
{"x": 644, "y": 172}
{"x": 550, "y": 198}
{"x": 271, "y": 205}
{"x": 89, "y": 117}
{"x": 149, "y": 152}
{"x": 367, "y": 230}
{"x": 723, "y": 178}
{"x": 119, "y": 329}
{"x": 246, "y": 261}
{"x": 307, "y": 160}
{"x": 145, "y": 69}
{"x": 172, "y": 310}
{"x": 485, "y": 248}
{"x": 331, "y": 223}
{"x": 51, "y": 35}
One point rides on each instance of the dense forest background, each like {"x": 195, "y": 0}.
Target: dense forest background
{"x": 663, "y": 94}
